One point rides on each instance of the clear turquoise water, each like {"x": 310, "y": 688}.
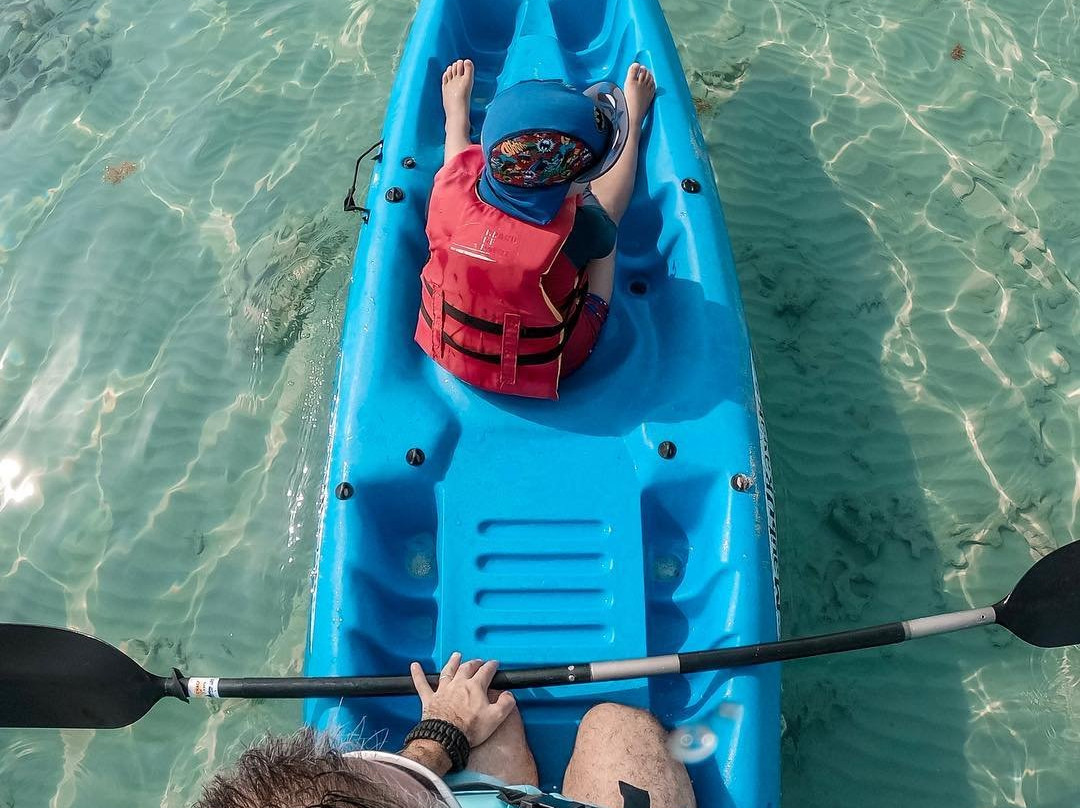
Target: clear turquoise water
{"x": 907, "y": 239}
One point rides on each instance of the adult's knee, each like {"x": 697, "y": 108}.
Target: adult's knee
{"x": 609, "y": 714}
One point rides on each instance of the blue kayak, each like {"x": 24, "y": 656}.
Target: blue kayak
{"x": 631, "y": 517}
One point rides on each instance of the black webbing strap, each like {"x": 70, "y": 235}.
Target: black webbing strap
{"x": 521, "y": 799}
{"x": 489, "y": 327}
{"x": 633, "y": 797}
{"x": 541, "y": 358}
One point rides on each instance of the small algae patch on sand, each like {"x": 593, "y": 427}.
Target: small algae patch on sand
{"x": 115, "y": 174}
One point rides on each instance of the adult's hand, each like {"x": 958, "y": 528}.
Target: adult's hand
{"x": 461, "y": 697}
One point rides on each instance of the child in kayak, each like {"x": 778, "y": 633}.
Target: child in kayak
{"x": 468, "y": 751}
{"x": 522, "y": 228}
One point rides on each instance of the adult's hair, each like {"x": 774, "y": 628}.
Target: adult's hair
{"x": 303, "y": 770}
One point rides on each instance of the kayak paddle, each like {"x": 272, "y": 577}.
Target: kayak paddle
{"x": 55, "y": 677}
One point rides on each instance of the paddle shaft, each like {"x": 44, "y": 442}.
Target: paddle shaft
{"x": 57, "y": 677}
{"x": 581, "y": 673}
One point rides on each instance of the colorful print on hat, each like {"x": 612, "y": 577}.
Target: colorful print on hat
{"x": 539, "y": 137}
{"x": 540, "y": 158}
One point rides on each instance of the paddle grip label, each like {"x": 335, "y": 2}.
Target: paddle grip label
{"x": 203, "y": 687}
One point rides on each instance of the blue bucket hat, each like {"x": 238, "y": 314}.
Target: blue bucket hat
{"x": 540, "y": 136}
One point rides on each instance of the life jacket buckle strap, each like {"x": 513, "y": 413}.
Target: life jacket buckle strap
{"x": 520, "y": 799}
{"x": 437, "y": 315}
{"x": 511, "y": 340}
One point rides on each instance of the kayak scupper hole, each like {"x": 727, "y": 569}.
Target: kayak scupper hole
{"x": 420, "y": 555}
{"x": 667, "y": 569}
{"x": 638, "y": 287}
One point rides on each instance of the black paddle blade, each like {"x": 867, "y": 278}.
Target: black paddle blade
{"x": 53, "y": 677}
{"x": 1044, "y": 608}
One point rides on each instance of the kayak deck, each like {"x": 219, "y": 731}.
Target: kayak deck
{"x": 539, "y": 532}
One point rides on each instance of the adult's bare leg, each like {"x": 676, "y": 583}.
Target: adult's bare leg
{"x": 614, "y": 743}
{"x": 506, "y": 754}
{"x": 614, "y": 189}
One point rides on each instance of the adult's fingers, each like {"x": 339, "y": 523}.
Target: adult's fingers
{"x": 468, "y": 669}
{"x": 505, "y": 705}
{"x": 420, "y": 682}
{"x": 486, "y": 673}
{"x": 451, "y": 667}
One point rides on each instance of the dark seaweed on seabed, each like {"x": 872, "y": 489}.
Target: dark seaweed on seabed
{"x": 44, "y": 46}
{"x": 724, "y": 82}
{"x": 280, "y": 295}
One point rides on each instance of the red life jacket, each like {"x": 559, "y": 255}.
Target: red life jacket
{"x": 486, "y": 309}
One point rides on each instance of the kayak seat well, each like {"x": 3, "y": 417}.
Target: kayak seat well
{"x": 578, "y": 26}
{"x": 539, "y": 566}
{"x": 483, "y": 29}
{"x": 471, "y": 557}
{"x": 674, "y": 340}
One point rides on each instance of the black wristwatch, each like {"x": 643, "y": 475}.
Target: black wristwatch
{"x": 449, "y": 737}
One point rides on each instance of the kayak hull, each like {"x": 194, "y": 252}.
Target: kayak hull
{"x": 601, "y": 526}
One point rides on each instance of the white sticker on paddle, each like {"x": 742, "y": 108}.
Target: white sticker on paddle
{"x": 202, "y": 687}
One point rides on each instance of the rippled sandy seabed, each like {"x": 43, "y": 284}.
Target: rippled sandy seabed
{"x": 173, "y": 267}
